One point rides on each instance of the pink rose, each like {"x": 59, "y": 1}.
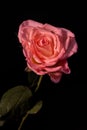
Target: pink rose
{"x": 47, "y": 48}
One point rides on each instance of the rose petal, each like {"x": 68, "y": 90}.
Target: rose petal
{"x": 71, "y": 47}
{"x": 69, "y": 33}
{"x": 26, "y": 28}
{"x": 31, "y": 23}
{"x": 53, "y": 29}
{"x": 65, "y": 68}
{"x": 67, "y": 39}
{"x": 55, "y": 77}
{"x": 61, "y": 66}
{"x": 69, "y": 44}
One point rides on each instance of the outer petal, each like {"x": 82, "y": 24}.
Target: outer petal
{"x": 25, "y": 29}
{"x": 55, "y": 77}
{"x": 70, "y": 46}
{"x": 31, "y": 23}
{"x": 65, "y": 68}
{"x": 61, "y": 67}
{"x": 57, "y": 30}
{"x": 69, "y": 43}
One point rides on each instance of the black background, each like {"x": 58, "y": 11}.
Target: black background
{"x": 64, "y": 103}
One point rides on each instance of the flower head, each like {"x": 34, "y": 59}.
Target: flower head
{"x": 47, "y": 48}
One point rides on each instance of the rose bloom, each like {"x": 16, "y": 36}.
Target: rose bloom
{"x": 47, "y": 48}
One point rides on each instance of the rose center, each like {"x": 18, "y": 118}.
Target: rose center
{"x": 43, "y": 42}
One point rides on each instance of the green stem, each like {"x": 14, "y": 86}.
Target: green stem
{"x": 39, "y": 81}
{"x": 23, "y": 119}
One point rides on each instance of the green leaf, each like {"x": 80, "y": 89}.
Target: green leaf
{"x": 36, "y": 108}
{"x": 13, "y": 98}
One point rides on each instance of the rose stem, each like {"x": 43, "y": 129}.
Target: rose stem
{"x": 23, "y": 119}
{"x": 39, "y": 81}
